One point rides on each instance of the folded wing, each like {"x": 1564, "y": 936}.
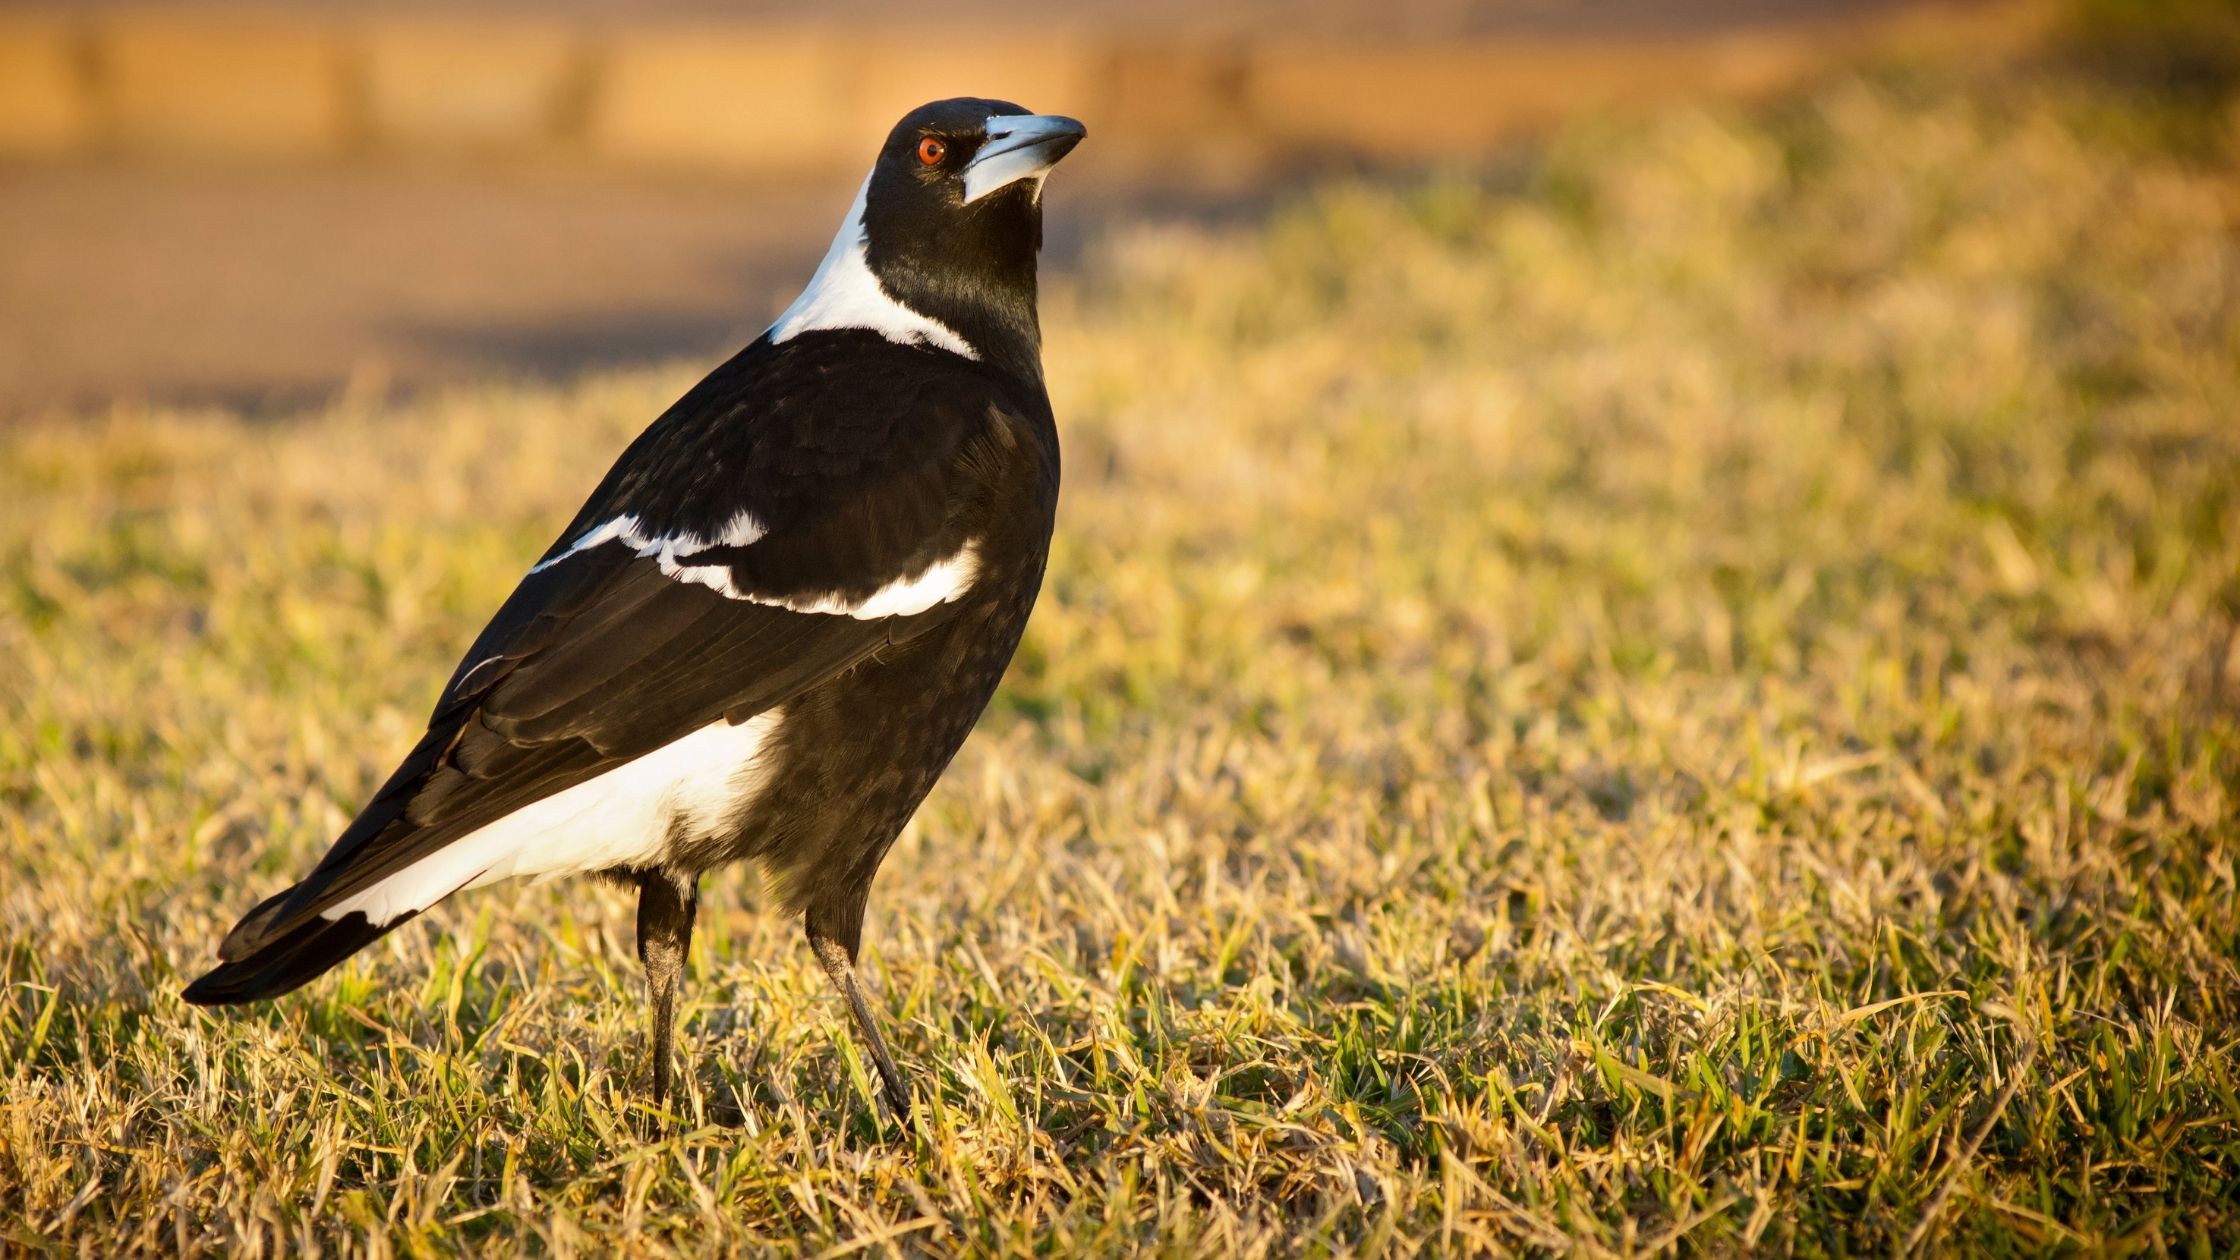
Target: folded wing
{"x": 662, "y": 626}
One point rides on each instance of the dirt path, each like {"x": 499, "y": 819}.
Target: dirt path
{"x": 272, "y": 286}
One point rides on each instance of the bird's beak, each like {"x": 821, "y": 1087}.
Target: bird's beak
{"x": 1020, "y": 146}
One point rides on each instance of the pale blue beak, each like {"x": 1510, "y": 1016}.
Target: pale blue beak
{"x": 1020, "y": 146}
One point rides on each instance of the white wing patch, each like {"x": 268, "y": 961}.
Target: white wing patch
{"x": 845, "y": 294}
{"x": 908, "y": 595}
{"x": 625, "y": 817}
{"x": 740, "y": 531}
{"x": 670, "y": 551}
{"x": 942, "y": 581}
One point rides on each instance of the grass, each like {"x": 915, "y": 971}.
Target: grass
{"x": 1686, "y": 696}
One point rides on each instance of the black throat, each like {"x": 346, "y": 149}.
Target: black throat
{"x": 972, "y": 268}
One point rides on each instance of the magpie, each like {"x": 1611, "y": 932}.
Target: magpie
{"x": 774, "y": 621}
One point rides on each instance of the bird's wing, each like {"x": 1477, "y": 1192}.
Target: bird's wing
{"x": 647, "y": 623}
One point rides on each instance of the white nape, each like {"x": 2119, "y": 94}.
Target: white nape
{"x": 845, "y": 294}
{"x": 906, "y": 596}
{"x": 689, "y": 788}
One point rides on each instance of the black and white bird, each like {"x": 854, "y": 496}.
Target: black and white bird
{"x": 773, "y": 623}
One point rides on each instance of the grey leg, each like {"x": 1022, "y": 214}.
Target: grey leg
{"x": 840, "y": 963}
{"x": 666, "y": 909}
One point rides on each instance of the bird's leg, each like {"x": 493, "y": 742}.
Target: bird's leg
{"x": 667, "y": 905}
{"x": 839, "y": 959}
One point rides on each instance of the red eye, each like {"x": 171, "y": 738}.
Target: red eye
{"x": 931, "y": 150}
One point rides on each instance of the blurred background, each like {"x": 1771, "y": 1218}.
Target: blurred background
{"x": 1642, "y": 651}
{"x": 260, "y": 205}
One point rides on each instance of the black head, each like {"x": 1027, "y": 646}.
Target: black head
{"x": 952, "y": 219}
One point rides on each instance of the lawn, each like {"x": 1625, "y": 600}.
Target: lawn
{"x": 1681, "y": 693}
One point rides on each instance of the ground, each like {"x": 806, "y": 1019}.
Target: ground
{"x": 1682, "y": 695}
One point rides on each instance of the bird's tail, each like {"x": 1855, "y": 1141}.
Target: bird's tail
{"x": 286, "y": 961}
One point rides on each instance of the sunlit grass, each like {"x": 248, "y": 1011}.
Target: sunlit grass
{"x": 1688, "y": 695}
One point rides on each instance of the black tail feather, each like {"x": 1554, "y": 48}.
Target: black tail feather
{"x": 289, "y": 961}
{"x": 254, "y": 928}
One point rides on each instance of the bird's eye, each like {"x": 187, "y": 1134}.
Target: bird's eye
{"x": 931, "y": 150}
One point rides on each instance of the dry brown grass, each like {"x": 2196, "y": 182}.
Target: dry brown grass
{"x": 1688, "y": 698}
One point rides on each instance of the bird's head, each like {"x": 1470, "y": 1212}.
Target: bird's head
{"x": 947, "y": 226}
